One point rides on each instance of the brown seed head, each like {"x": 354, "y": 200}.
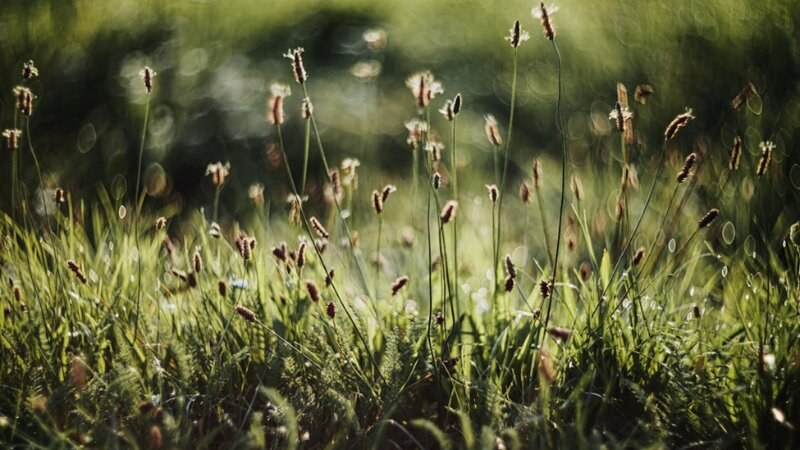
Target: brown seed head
{"x": 275, "y": 112}
{"x": 313, "y": 291}
{"x": 156, "y": 438}
{"x": 222, "y": 288}
{"x": 509, "y": 283}
{"x": 492, "y": 131}
{"x": 747, "y": 91}
{"x": 307, "y": 109}
{"x": 457, "y": 104}
{"x": 279, "y": 252}
{"x": 545, "y": 288}
{"x": 439, "y": 318}
{"x": 29, "y": 70}
{"x": 331, "y": 310}
{"x": 319, "y": 228}
{"x": 398, "y": 284}
{"x": 296, "y": 56}
{"x": 709, "y": 217}
{"x": 59, "y": 196}
{"x": 12, "y": 138}
{"x": 218, "y": 172}
{"x": 687, "y": 167}
{"x": 680, "y": 121}
{"x": 560, "y": 333}
{"x": 736, "y": 154}
{"x": 197, "y": 261}
{"x": 510, "y": 269}
{"x": 329, "y": 277}
{"x": 377, "y": 202}
{"x": 147, "y": 75}
{"x": 643, "y": 91}
{"x": 493, "y": 192}
{"x": 246, "y": 313}
{"x": 516, "y": 35}
{"x": 17, "y": 293}
{"x": 543, "y": 13}
{"x": 447, "y": 110}
{"x": 424, "y": 87}
{"x": 24, "y": 98}
{"x": 537, "y": 173}
{"x": 387, "y": 191}
{"x": 766, "y": 156}
{"x": 449, "y": 211}
{"x": 437, "y": 180}
{"x": 524, "y": 193}
{"x": 637, "y": 257}
{"x": 76, "y": 270}
{"x": 301, "y": 255}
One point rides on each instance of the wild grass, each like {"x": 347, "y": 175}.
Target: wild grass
{"x": 127, "y": 327}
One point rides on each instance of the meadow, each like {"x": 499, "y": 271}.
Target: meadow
{"x": 563, "y": 241}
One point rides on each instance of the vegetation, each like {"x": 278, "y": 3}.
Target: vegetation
{"x": 475, "y": 294}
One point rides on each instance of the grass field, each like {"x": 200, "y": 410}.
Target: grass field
{"x": 430, "y": 265}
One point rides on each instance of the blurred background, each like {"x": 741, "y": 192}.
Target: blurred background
{"x": 215, "y": 62}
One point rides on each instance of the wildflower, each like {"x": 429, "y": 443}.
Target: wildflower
{"x": 147, "y": 74}
{"x": 416, "y": 128}
{"x": 24, "y": 98}
{"x": 321, "y": 231}
{"x": 12, "y": 138}
{"x": 246, "y": 313}
{"x": 398, "y": 284}
{"x": 424, "y": 87}
{"x": 687, "y": 167}
{"x": 449, "y": 211}
{"x": 275, "y": 104}
{"x": 642, "y": 92}
{"x": 492, "y": 132}
{"x": 296, "y": 56}
{"x": 766, "y": 156}
{"x": 680, "y": 121}
{"x": 218, "y": 172}
{"x": 620, "y": 114}
{"x": 543, "y": 13}
{"x": 709, "y": 217}
{"x": 493, "y": 192}
{"x": 29, "y": 70}
{"x": 736, "y": 154}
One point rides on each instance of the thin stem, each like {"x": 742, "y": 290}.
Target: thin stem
{"x": 505, "y": 163}
{"x": 136, "y": 219}
{"x": 378, "y": 260}
{"x": 306, "y": 147}
{"x": 455, "y": 219}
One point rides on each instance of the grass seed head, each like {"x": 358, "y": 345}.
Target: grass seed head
{"x": 387, "y": 191}
{"x": 197, "y": 261}
{"x": 307, "y": 109}
{"x": 246, "y": 313}
{"x": 301, "y": 255}
{"x": 508, "y": 285}
{"x": 637, "y": 257}
{"x": 576, "y": 187}
{"x": 493, "y": 192}
{"x": 29, "y": 70}
{"x": 516, "y": 35}
{"x": 736, "y": 154}
{"x": 642, "y": 93}
{"x": 398, "y": 284}
{"x": 17, "y": 293}
{"x": 76, "y": 270}
{"x": 537, "y": 173}
{"x": 492, "y": 130}
{"x": 447, "y": 110}
{"x": 680, "y": 121}
{"x": 437, "y": 180}
{"x": 279, "y": 252}
{"x": 709, "y": 217}
{"x": 24, "y": 98}
{"x": 543, "y": 13}
{"x": 766, "y": 156}
{"x": 147, "y": 74}
{"x": 331, "y": 310}
{"x": 524, "y": 193}
{"x": 299, "y": 71}
{"x": 510, "y": 269}
{"x": 12, "y": 138}
{"x": 222, "y": 288}
{"x": 377, "y": 202}
{"x": 448, "y": 212}
{"x": 313, "y": 291}
{"x": 321, "y": 231}
{"x": 687, "y": 168}
{"x": 545, "y": 288}
{"x": 424, "y": 87}
{"x": 275, "y": 112}
{"x": 218, "y": 172}
{"x": 457, "y": 104}
{"x": 329, "y": 277}
{"x": 747, "y": 91}
{"x": 439, "y": 318}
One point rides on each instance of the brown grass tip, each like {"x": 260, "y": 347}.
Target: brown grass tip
{"x": 493, "y": 192}
{"x": 709, "y": 217}
{"x": 543, "y": 13}
{"x": 147, "y": 74}
{"x": 736, "y": 154}
{"x": 313, "y": 291}
{"x": 398, "y": 284}
{"x": 449, "y": 211}
{"x": 537, "y": 173}
{"x": 637, "y": 257}
{"x": 747, "y": 91}
{"x": 524, "y": 193}
{"x": 687, "y": 167}
{"x": 321, "y": 231}
{"x": 329, "y": 277}
{"x": 222, "y": 288}
{"x": 516, "y": 35}
{"x": 246, "y": 313}
{"x": 509, "y": 283}
{"x": 680, "y": 121}
{"x": 766, "y": 156}
{"x": 642, "y": 92}
{"x": 73, "y": 266}
{"x": 12, "y": 138}
{"x": 492, "y": 130}
{"x": 299, "y": 71}
{"x": 510, "y": 269}
{"x": 545, "y": 288}
{"x": 331, "y": 310}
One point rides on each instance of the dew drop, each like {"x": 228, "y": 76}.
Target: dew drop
{"x": 755, "y": 104}
{"x": 749, "y": 245}
{"x": 724, "y": 271}
{"x": 118, "y": 187}
{"x": 671, "y": 246}
{"x": 728, "y": 232}
{"x": 122, "y": 211}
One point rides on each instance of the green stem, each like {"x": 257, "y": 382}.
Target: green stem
{"x": 455, "y": 219}
{"x": 505, "y": 163}
{"x": 136, "y": 218}
{"x": 306, "y": 146}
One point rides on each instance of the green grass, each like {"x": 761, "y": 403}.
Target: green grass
{"x": 181, "y": 337}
